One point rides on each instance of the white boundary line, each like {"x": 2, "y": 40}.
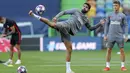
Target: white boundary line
{"x": 78, "y": 65}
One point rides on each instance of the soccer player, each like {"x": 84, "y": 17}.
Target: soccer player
{"x": 115, "y": 28}
{"x": 69, "y": 27}
{"x": 10, "y": 28}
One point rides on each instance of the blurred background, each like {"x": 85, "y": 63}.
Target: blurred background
{"x": 37, "y": 35}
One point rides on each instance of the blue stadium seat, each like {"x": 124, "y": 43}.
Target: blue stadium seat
{"x": 96, "y": 19}
{"x": 109, "y": 1}
{"x": 109, "y": 5}
{"x": 99, "y": 2}
{"x": 126, "y": 3}
{"x": 100, "y": 14}
{"x": 128, "y": 19}
{"x": 100, "y": 9}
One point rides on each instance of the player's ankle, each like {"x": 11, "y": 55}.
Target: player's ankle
{"x": 68, "y": 70}
{"x": 18, "y": 60}
{"x": 9, "y": 59}
{"x": 122, "y": 64}
{"x": 36, "y": 16}
{"x": 108, "y": 64}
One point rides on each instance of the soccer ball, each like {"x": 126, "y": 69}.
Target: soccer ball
{"x": 21, "y": 69}
{"x": 40, "y": 9}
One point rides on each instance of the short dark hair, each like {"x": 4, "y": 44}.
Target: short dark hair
{"x": 116, "y": 2}
{"x": 89, "y": 6}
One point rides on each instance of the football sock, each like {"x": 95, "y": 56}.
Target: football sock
{"x": 10, "y": 60}
{"x": 108, "y": 64}
{"x": 68, "y": 66}
{"x": 37, "y": 16}
{"x": 122, "y": 64}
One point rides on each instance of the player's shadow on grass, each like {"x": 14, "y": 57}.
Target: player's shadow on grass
{"x": 2, "y": 61}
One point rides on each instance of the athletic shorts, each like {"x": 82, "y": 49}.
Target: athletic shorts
{"x": 110, "y": 43}
{"x": 64, "y": 31}
{"x": 15, "y": 39}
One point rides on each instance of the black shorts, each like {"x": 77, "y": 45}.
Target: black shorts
{"x": 15, "y": 39}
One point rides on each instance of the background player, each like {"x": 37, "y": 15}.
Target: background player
{"x": 10, "y": 28}
{"x": 69, "y": 27}
{"x": 114, "y": 32}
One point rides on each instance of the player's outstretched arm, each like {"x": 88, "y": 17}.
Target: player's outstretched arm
{"x": 65, "y": 12}
{"x": 102, "y": 21}
{"x": 42, "y": 19}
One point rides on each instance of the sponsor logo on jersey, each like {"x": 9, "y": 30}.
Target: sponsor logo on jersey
{"x": 115, "y": 22}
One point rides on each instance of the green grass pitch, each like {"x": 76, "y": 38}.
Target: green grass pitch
{"x": 54, "y": 62}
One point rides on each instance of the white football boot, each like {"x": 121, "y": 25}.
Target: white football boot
{"x": 70, "y": 71}
{"x": 18, "y": 62}
{"x": 9, "y": 62}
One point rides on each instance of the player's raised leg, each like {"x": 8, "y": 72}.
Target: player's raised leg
{"x": 45, "y": 20}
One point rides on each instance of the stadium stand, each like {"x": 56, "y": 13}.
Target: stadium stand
{"x": 100, "y": 9}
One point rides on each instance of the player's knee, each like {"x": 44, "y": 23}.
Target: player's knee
{"x": 121, "y": 50}
{"x": 11, "y": 49}
{"x": 109, "y": 50}
{"x": 52, "y": 25}
{"x": 69, "y": 49}
{"x": 18, "y": 49}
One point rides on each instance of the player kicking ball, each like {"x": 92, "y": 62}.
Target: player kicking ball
{"x": 69, "y": 27}
{"x": 10, "y": 28}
